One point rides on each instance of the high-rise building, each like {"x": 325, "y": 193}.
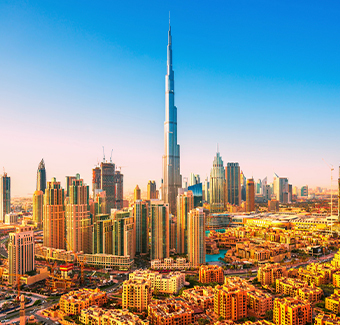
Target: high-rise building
{"x": 267, "y": 192}
{"x": 152, "y": 190}
{"x": 96, "y": 181}
{"x": 69, "y": 182}
{"x": 108, "y": 184}
{"x": 160, "y": 237}
{"x": 258, "y": 187}
{"x": 196, "y": 237}
{"x": 54, "y": 216}
{"x": 136, "y": 294}
{"x": 233, "y": 185}
{"x": 5, "y": 196}
{"x": 304, "y": 190}
{"x": 123, "y": 234}
{"x": 281, "y": 188}
{"x": 172, "y": 232}
{"x": 250, "y": 204}
{"x": 217, "y": 183}
{"x": 102, "y": 234}
{"x": 78, "y": 218}
{"x": 243, "y": 181}
{"x": 206, "y": 190}
{"x": 198, "y": 194}
{"x": 41, "y": 177}
{"x": 20, "y": 252}
{"x": 185, "y": 203}
{"x": 137, "y": 193}
{"x": 119, "y": 190}
{"x": 38, "y": 205}
{"x": 141, "y": 220}
{"x": 98, "y": 204}
{"x": 172, "y": 179}
{"x": 194, "y": 179}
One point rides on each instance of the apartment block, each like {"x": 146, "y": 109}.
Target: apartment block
{"x": 211, "y": 273}
{"x": 333, "y": 302}
{"x": 291, "y": 311}
{"x": 268, "y": 273}
{"x": 136, "y": 294}
{"x": 203, "y": 297}
{"x": 259, "y": 302}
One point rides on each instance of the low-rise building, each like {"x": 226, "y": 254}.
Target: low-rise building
{"x": 268, "y": 273}
{"x": 170, "y": 312}
{"x": 98, "y": 316}
{"x": 333, "y": 302}
{"x": 203, "y": 297}
{"x": 136, "y": 294}
{"x": 73, "y": 302}
{"x": 230, "y": 299}
{"x": 162, "y": 282}
{"x": 327, "y": 319}
{"x": 291, "y": 311}
{"x": 170, "y": 264}
{"x": 211, "y": 273}
{"x": 259, "y": 302}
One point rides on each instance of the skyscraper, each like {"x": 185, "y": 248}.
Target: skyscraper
{"x": 172, "y": 179}
{"x": 78, "y": 219}
{"x": 217, "y": 180}
{"x": 119, "y": 189}
{"x": 5, "y": 196}
{"x": 41, "y": 176}
{"x": 196, "y": 237}
{"x": 69, "y": 182}
{"x": 136, "y": 194}
{"x": 250, "y": 204}
{"x": 54, "y": 216}
{"x": 185, "y": 203}
{"x": 281, "y": 188}
{"x": 20, "y": 251}
{"x": 108, "y": 184}
{"x": 151, "y": 190}
{"x": 160, "y": 237}
{"x": 96, "y": 180}
{"x": 141, "y": 219}
{"x": 233, "y": 185}
{"x": 38, "y": 204}
{"x": 194, "y": 179}
{"x": 243, "y": 181}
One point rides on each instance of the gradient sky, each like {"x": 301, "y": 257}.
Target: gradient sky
{"x": 261, "y": 78}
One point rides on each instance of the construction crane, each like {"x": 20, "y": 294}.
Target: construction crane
{"x": 332, "y": 169}
{"x": 18, "y": 283}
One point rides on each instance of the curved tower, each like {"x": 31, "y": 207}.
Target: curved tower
{"x": 171, "y": 160}
{"x": 41, "y": 177}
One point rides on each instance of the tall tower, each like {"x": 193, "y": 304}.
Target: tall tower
{"x": 152, "y": 190}
{"x": 141, "y": 219}
{"x": 5, "y": 196}
{"x": 172, "y": 179}
{"x": 137, "y": 193}
{"x": 38, "y": 204}
{"x": 41, "y": 176}
{"x": 217, "y": 182}
{"x": 250, "y": 203}
{"x": 54, "y": 215}
{"x": 233, "y": 185}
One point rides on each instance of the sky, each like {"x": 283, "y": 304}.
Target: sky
{"x": 259, "y": 78}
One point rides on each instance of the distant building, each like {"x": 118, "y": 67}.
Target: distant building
{"x": 273, "y": 206}
{"x": 5, "y": 196}
{"x": 160, "y": 232}
{"x": 243, "y": 182}
{"x": 304, "y": 191}
{"x": 233, "y": 184}
{"x": 20, "y": 252}
{"x": 108, "y": 184}
{"x": 102, "y": 234}
{"x": 217, "y": 184}
{"x": 268, "y": 273}
{"x": 250, "y": 204}
{"x": 69, "y": 182}
{"x": 170, "y": 264}
{"x": 206, "y": 190}
{"x": 136, "y": 193}
{"x": 54, "y": 215}
{"x": 185, "y": 203}
{"x": 41, "y": 177}
{"x": 11, "y": 218}
{"x": 38, "y": 206}
{"x": 141, "y": 220}
{"x": 194, "y": 179}
{"x": 119, "y": 184}
{"x": 281, "y": 189}
{"x": 196, "y": 237}
{"x": 197, "y": 191}
{"x": 96, "y": 181}
{"x": 151, "y": 189}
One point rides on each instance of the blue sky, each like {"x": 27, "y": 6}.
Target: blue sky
{"x": 261, "y": 78}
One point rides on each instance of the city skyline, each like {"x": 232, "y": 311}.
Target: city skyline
{"x": 39, "y": 93}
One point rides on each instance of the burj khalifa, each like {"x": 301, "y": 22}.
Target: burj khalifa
{"x": 172, "y": 178}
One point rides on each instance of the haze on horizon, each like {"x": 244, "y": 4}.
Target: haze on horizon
{"x": 260, "y": 79}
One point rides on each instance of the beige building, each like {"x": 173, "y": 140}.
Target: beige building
{"x": 170, "y": 264}
{"x": 136, "y": 294}
{"x": 203, "y": 297}
{"x": 136, "y": 194}
{"x": 38, "y": 206}
{"x": 259, "y": 302}
{"x": 11, "y": 218}
{"x": 327, "y": 319}
{"x": 211, "y": 273}
{"x": 20, "y": 252}
{"x": 268, "y": 273}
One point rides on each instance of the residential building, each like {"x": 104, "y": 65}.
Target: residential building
{"x": 185, "y": 203}
{"x": 196, "y": 237}
{"x": 291, "y": 311}
{"x": 327, "y": 319}
{"x": 41, "y": 177}
{"x": 5, "y": 196}
{"x": 333, "y": 302}
{"x": 79, "y": 226}
{"x": 259, "y": 302}
{"x": 73, "y": 302}
{"x": 233, "y": 184}
{"x": 11, "y": 218}
{"x": 211, "y": 273}
{"x": 102, "y": 234}
{"x": 141, "y": 221}
{"x": 69, "y": 183}
{"x": 96, "y": 181}
{"x": 38, "y": 208}
{"x": 136, "y": 294}
{"x": 170, "y": 264}
{"x": 250, "y": 204}
{"x": 171, "y": 311}
{"x": 217, "y": 184}
{"x": 20, "y": 252}
{"x": 54, "y": 216}
{"x": 119, "y": 184}
{"x": 268, "y": 273}
{"x": 160, "y": 234}
{"x": 172, "y": 178}
{"x": 202, "y": 297}
{"x": 108, "y": 184}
